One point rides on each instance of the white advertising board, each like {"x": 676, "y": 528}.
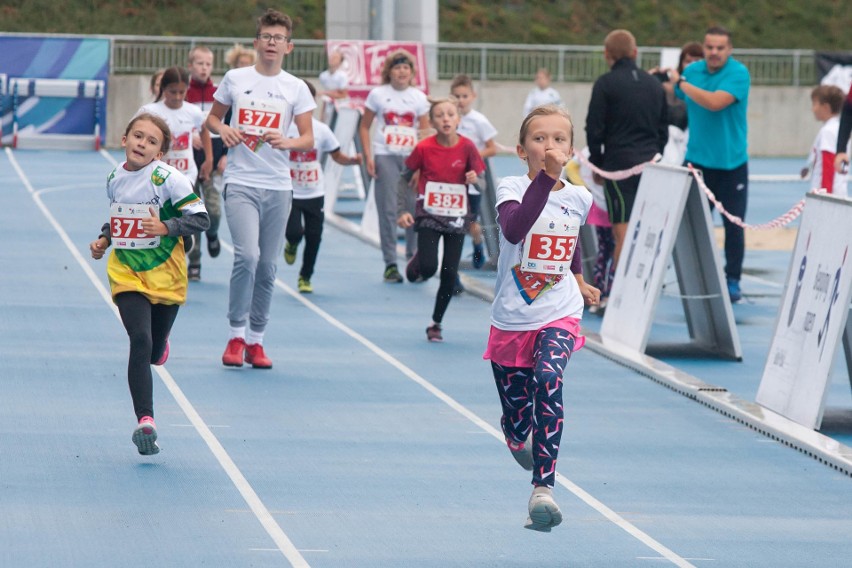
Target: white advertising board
{"x": 813, "y": 313}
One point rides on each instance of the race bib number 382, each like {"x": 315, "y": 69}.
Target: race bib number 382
{"x": 445, "y": 199}
{"x": 125, "y": 221}
{"x": 549, "y": 246}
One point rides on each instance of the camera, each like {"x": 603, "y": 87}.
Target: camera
{"x": 662, "y": 76}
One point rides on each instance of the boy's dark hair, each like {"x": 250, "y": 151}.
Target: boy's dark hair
{"x": 691, "y": 49}
{"x": 461, "y": 81}
{"x": 311, "y": 88}
{"x": 156, "y": 121}
{"x": 829, "y": 94}
{"x": 170, "y": 76}
{"x": 274, "y": 18}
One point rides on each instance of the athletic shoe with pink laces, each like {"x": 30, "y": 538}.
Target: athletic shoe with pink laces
{"x": 234, "y": 352}
{"x": 433, "y": 333}
{"x": 256, "y": 357}
{"x": 145, "y": 437}
{"x": 165, "y": 356}
{"x": 522, "y": 452}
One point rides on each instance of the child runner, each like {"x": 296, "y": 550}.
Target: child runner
{"x": 258, "y": 189}
{"x": 185, "y": 121}
{"x": 309, "y": 196}
{"x": 400, "y": 110}
{"x": 826, "y": 103}
{"x": 535, "y": 318}
{"x": 200, "y": 94}
{"x": 155, "y": 83}
{"x": 543, "y": 93}
{"x": 475, "y": 126}
{"x": 148, "y": 281}
{"x": 448, "y": 165}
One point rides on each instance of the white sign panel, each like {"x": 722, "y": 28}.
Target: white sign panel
{"x": 813, "y": 313}
{"x": 651, "y": 233}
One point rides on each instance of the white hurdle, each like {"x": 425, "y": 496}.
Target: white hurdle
{"x": 21, "y": 87}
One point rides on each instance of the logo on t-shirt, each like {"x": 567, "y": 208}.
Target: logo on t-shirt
{"x": 303, "y": 156}
{"x": 399, "y": 119}
{"x": 160, "y": 175}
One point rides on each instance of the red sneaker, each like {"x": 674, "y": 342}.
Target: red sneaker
{"x": 256, "y": 357}
{"x": 233, "y": 356}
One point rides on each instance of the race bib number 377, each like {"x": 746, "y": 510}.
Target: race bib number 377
{"x": 257, "y": 117}
{"x": 549, "y": 246}
{"x": 126, "y": 226}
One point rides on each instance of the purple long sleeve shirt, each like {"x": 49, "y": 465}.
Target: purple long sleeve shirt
{"x": 516, "y": 219}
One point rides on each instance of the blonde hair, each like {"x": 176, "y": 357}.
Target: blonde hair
{"x": 394, "y": 58}
{"x": 434, "y": 103}
{"x": 233, "y": 55}
{"x": 196, "y": 50}
{"x": 545, "y": 110}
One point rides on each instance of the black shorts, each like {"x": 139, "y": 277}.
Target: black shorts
{"x": 620, "y": 197}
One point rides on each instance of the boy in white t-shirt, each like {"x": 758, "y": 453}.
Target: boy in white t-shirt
{"x": 476, "y": 127}
{"x": 543, "y": 94}
{"x": 827, "y": 101}
{"x": 258, "y": 188}
{"x": 309, "y": 196}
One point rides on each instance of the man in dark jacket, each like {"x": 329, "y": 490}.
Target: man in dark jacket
{"x": 627, "y": 125}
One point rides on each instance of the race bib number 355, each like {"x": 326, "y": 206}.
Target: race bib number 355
{"x": 126, "y": 226}
{"x": 549, "y": 247}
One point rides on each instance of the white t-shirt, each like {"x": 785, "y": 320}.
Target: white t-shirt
{"x": 334, "y": 81}
{"x": 538, "y": 97}
{"x": 306, "y": 167}
{"x": 282, "y": 97}
{"x": 826, "y": 141}
{"x": 397, "y": 114}
{"x": 477, "y": 128}
{"x": 510, "y": 311}
{"x": 183, "y": 122}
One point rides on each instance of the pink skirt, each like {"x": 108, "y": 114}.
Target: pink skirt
{"x": 515, "y": 348}
{"x": 598, "y": 217}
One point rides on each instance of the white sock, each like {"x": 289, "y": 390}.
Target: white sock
{"x": 254, "y": 337}
{"x": 237, "y": 332}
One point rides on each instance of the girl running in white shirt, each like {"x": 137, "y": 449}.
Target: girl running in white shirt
{"x": 535, "y": 317}
{"x": 400, "y": 109}
{"x": 152, "y": 206}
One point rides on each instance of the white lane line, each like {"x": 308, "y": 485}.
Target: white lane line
{"x": 285, "y": 546}
{"x": 581, "y": 493}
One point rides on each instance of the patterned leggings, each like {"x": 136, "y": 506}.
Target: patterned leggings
{"x": 532, "y": 399}
{"x": 604, "y": 266}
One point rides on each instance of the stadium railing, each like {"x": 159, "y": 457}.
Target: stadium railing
{"x": 482, "y": 61}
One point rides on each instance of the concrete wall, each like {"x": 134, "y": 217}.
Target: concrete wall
{"x": 780, "y": 119}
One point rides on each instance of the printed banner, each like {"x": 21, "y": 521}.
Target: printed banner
{"x": 53, "y": 58}
{"x": 813, "y": 313}
{"x": 363, "y": 61}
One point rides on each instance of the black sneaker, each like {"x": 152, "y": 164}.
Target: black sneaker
{"x": 213, "y": 246}
{"x": 433, "y": 333}
{"x": 392, "y": 274}
{"x": 412, "y": 270}
{"x": 194, "y": 273}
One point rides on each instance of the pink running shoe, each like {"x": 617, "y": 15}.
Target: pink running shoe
{"x": 165, "y": 356}
{"x": 145, "y": 437}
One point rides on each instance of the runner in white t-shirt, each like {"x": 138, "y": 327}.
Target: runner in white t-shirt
{"x": 543, "y": 93}
{"x": 475, "y": 126}
{"x": 535, "y": 317}
{"x": 827, "y": 101}
{"x": 258, "y": 189}
{"x": 399, "y": 110}
{"x": 309, "y": 197}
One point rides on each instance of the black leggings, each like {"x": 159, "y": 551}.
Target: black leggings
{"x": 148, "y": 326}
{"x": 427, "y": 256}
{"x": 313, "y": 213}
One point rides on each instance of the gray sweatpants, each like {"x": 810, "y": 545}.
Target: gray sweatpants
{"x": 257, "y": 219}
{"x": 212, "y": 202}
{"x": 388, "y": 170}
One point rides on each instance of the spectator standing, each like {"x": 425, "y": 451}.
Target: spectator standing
{"x": 627, "y": 125}
{"x": 716, "y": 92}
{"x": 543, "y": 93}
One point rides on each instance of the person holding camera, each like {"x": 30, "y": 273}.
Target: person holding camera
{"x": 627, "y": 125}
{"x": 675, "y": 150}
